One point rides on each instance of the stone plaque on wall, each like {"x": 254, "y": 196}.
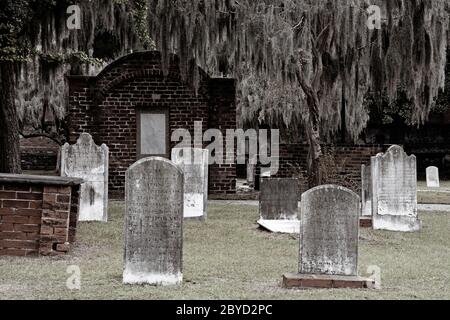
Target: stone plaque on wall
{"x": 329, "y": 229}
{"x": 153, "y": 223}
{"x": 394, "y": 187}
{"x": 89, "y": 162}
{"x": 194, "y": 164}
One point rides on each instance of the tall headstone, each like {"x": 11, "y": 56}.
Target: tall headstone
{"x": 432, "y": 177}
{"x": 153, "y": 223}
{"x": 394, "y": 187}
{"x": 278, "y": 205}
{"x": 329, "y": 234}
{"x": 366, "y": 191}
{"x": 88, "y": 161}
{"x": 329, "y": 230}
{"x": 194, "y": 164}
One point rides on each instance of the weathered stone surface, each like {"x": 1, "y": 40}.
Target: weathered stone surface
{"x": 278, "y": 205}
{"x": 329, "y": 229}
{"x": 394, "y": 187}
{"x": 295, "y": 280}
{"x": 278, "y": 199}
{"x": 432, "y": 177}
{"x": 194, "y": 164}
{"x": 89, "y": 162}
{"x": 366, "y": 191}
{"x": 153, "y": 223}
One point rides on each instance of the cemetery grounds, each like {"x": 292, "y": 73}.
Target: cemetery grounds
{"x": 228, "y": 257}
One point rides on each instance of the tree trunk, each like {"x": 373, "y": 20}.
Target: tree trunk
{"x": 313, "y": 134}
{"x": 9, "y": 124}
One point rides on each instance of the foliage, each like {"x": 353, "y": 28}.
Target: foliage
{"x": 264, "y": 43}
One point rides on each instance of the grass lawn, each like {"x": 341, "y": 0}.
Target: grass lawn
{"x": 228, "y": 257}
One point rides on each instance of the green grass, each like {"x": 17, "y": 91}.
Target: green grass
{"x": 228, "y": 257}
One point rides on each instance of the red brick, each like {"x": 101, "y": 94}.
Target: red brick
{"x": 63, "y": 247}
{"x": 29, "y": 196}
{"x": 34, "y": 220}
{"x": 15, "y": 204}
{"x": 36, "y": 204}
{"x": 19, "y": 244}
{"x": 14, "y": 252}
{"x": 15, "y": 219}
{"x": 13, "y": 235}
{"x": 63, "y": 199}
{"x": 6, "y": 226}
{"x": 6, "y": 211}
{"x": 27, "y": 227}
{"x": 28, "y": 212}
{"x": 7, "y": 195}
{"x": 47, "y": 230}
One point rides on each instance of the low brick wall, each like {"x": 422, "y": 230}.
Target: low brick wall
{"x": 38, "y": 214}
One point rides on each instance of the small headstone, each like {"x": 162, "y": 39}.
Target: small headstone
{"x": 278, "y": 205}
{"x": 329, "y": 230}
{"x": 432, "y": 177}
{"x": 88, "y": 161}
{"x": 394, "y": 187}
{"x": 194, "y": 164}
{"x": 153, "y": 223}
{"x": 366, "y": 191}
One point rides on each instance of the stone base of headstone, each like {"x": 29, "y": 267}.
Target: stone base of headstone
{"x": 280, "y": 226}
{"x": 152, "y": 279}
{"x": 365, "y": 222}
{"x": 297, "y": 280}
{"x": 396, "y": 223}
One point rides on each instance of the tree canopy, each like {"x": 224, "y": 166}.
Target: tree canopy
{"x": 265, "y": 44}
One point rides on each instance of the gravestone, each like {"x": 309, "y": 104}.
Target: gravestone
{"x": 278, "y": 205}
{"x": 394, "y": 187}
{"x": 329, "y": 231}
{"x": 366, "y": 190}
{"x": 432, "y": 177}
{"x": 89, "y": 162}
{"x": 194, "y": 164}
{"x": 153, "y": 223}
{"x": 329, "y": 227}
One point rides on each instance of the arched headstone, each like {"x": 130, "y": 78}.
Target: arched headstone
{"x": 329, "y": 235}
{"x": 394, "y": 187}
{"x": 153, "y": 223}
{"x": 88, "y": 161}
{"x": 432, "y": 177}
{"x": 329, "y": 229}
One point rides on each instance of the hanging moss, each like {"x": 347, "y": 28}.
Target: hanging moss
{"x": 328, "y": 40}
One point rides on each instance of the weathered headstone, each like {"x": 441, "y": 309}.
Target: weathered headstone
{"x": 366, "y": 191}
{"x": 153, "y": 223}
{"x": 394, "y": 187}
{"x": 278, "y": 205}
{"x": 432, "y": 177}
{"x": 329, "y": 231}
{"x": 194, "y": 164}
{"x": 88, "y": 161}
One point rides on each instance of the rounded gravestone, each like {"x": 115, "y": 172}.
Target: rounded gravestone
{"x": 153, "y": 223}
{"x": 329, "y": 230}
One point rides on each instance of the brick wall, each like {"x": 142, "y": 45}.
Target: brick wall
{"x": 106, "y": 107}
{"x": 346, "y": 160}
{"x": 37, "y": 218}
